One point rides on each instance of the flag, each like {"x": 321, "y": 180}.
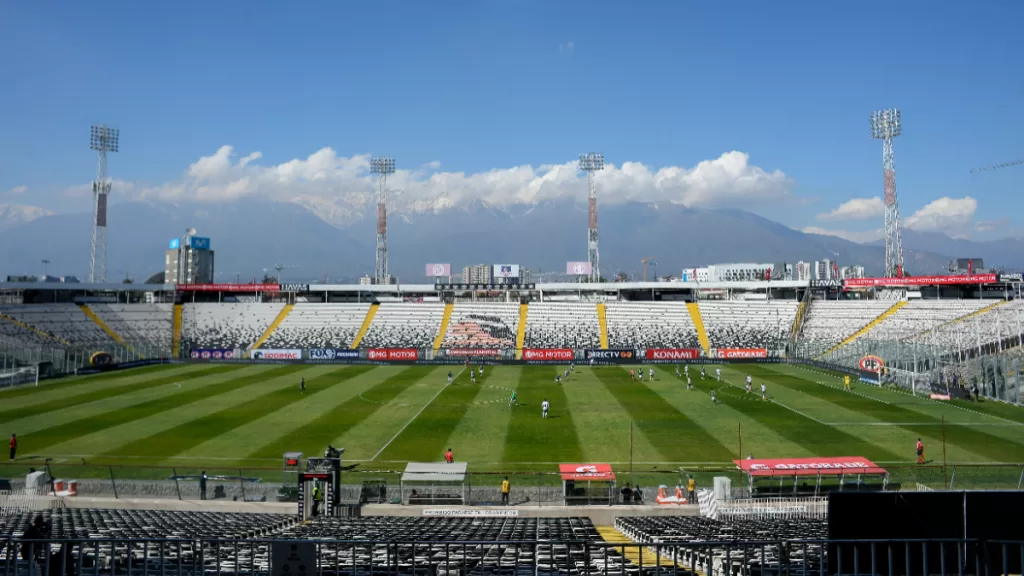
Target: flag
{"x": 970, "y": 266}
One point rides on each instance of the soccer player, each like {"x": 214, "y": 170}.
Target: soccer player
{"x": 449, "y": 457}
{"x": 718, "y": 374}
{"x": 713, "y": 399}
{"x": 686, "y": 370}
{"x": 14, "y": 445}
{"x": 481, "y": 370}
{"x": 650, "y": 374}
{"x": 678, "y": 375}
{"x": 512, "y": 401}
{"x": 302, "y": 385}
{"x": 702, "y": 373}
{"x": 689, "y": 383}
{"x": 591, "y": 362}
{"x": 544, "y": 408}
{"x": 920, "y": 451}
{"x": 472, "y": 376}
{"x": 572, "y": 367}
{"x": 449, "y": 376}
{"x": 846, "y": 382}
{"x": 640, "y": 374}
{"x": 566, "y": 374}
{"x": 748, "y": 384}
{"x": 632, "y": 375}
{"x": 764, "y": 391}
{"x": 558, "y": 378}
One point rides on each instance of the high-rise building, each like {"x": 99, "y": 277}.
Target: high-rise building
{"x": 479, "y": 274}
{"x": 823, "y": 269}
{"x": 189, "y": 260}
{"x": 803, "y": 271}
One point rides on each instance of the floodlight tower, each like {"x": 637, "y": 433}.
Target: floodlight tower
{"x": 590, "y": 163}
{"x": 102, "y": 139}
{"x": 382, "y": 165}
{"x": 885, "y": 125}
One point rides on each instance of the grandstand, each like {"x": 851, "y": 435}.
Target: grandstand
{"x": 404, "y": 325}
{"x": 650, "y": 325}
{"x": 562, "y": 325}
{"x": 482, "y": 325}
{"x": 227, "y": 326}
{"x": 735, "y": 324}
{"x": 319, "y": 325}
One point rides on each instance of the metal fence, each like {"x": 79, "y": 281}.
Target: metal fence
{"x": 192, "y": 557}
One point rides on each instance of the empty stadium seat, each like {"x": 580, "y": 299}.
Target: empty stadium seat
{"x": 733, "y": 324}
{"x": 482, "y": 325}
{"x": 149, "y": 325}
{"x": 650, "y": 325}
{"x": 918, "y": 316}
{"x": 227, "y": 326}
{"x": 316, "y": 325}
{"x": 830, "y": 322}
{"x": 562, "y": 325}
{"x": 65, "y": 321}
{"x": 404, "y": 325}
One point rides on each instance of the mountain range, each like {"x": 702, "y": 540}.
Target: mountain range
{"x": 250, "y": 238}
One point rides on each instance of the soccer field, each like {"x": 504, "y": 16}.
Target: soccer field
{"x": 247, "y": 416}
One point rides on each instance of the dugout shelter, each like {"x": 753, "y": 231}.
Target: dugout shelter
{"x": 587, "y": 484}
{"x": 801, "y": 476}
{"x": 434, "y": 483}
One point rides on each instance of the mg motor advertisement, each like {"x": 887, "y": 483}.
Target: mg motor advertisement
{"x": 611, "y": 355}
{"x": 328, "y": 354}
{"x": 227, "y": 287}
{"x": 212, "y": 354}
{"x": 672, "y": 354}
{"x": 391, "y": 354}
{"x": 921, "y": 280}
{"x": 548, "y": 354}
{"x": 474, "y": 352}
{"x": 275, "y": 354}
{"x": 739, "y": 353}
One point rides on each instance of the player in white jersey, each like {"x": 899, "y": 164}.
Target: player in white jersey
{"x": 591, "y": 362}
{"x": 566, "y": 374}
{"x": 686, "y": 370}
{"x": 558, "y": 378}
{"x": 689, "y": 383}
{"x": 472, "y": 376}
{"x": 544, "y": 408}
{"x": 718, "y": 374}
{"x": 750, "y": 382}
{"x": 702, "y": 374}
{"x": 713, "y": 399}
{"x": 650, "y": 374}
{"x": 678, "y": 375}
{"x": 449, "y": 376}
{"x": 572, "y": 367}
{"x": 764, "y": 391}
{"x": 481, "y": 370}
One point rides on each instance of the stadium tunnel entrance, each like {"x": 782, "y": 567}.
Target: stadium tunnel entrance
{"x": 319, "y": 485}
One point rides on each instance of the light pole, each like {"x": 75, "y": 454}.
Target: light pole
{"x": 885, "y": 125}
{"x": 590, "y": 163}
{"x": 46, "y": 268}
{"x": 382, "y": 165}
{"x": 102, "y": 139}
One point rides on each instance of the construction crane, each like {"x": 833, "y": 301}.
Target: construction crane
{"x": 644, "y": 261}
{"x": 998, "y": 166}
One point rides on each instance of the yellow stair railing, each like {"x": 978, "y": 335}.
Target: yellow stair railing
{"x": 444, "y": 326}
{"x": 892, "y": 310}
{"x": 602, "y": 321}
{"x": 521, "y": 332}
{"x": 273, "y": 325}
{"x": 176, "y": 338}
{"x": 698, "y": 323}
{"x": 366, "y": 325}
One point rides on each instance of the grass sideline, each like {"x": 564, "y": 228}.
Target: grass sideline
{"x": 149, "y": 422}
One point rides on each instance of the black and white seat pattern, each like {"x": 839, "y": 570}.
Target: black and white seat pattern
{"x": 404, "y": 325}
{"x": 482, "y": 325}
{"x": 731, "y": 324}
{"x": 830, "y": 322}
{"x": 226, "y": 325}
{"x": 650, "y": 325}
{"x": 319, "y": 326}
{"x": 150, "y": 325}
{"x": 562, "y": 325}
{"x": 65, "y": 321}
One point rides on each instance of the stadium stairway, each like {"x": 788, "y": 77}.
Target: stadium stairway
{"x": 273, "y": 325}
{"x": 892, "y": 310}
{"x": 521, "y": 334}
{"x": 103, "y": 326}
{"x": 21, "y": 324}
{"x": 176, "y": 337}
{"x": 366, "y": 325}
{"x": 966, "y": 317}
{"x": 634, "y": 554}
{"x": 444, "y": 326}
{"x": 602, "y": 321}
{"x": 698, "y": 323}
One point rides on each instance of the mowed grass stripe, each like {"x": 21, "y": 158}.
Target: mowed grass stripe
{"x": 106, "y": 393}
{"x": 480, "y": 435}
{"x": 676, "y": 436}
{"x": 74, "y": 384}
{"x": 424, "y": 438}
{"x": 109, "y": 418}
{"x": 321, "y": 431}
{"x": 189, "y": 434}
{"x": 529, "y": 437}
{"x": 964, "y": 437}
{"x": 819, "y": 439}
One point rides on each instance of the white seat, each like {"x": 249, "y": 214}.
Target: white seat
{"x": 733, "y": 324}
{"x": 562, "y": 325}
{"x": 226, "y": 325}
{"x": 650, "y": 325}
{"x": 404, "y": 325}
{"x": 319, "y": 325}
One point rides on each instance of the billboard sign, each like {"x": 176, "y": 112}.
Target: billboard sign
{"x": 672, "y": 354}
{"x": 227, "y": 287}
{"x": 578, "y": 268}
{"x": 333, "y": 354}
{"x": 438, "y": 270}
{"x": 871, "y": 363}
{"x": 835, "y": 283}
{"x": 473, "y": 352}
{"x": 275, "y": 354}
{"x": 506, "y": 271}
{"x": 586, "y": 471}
{"x": 740, "y": 353}
{"x": 809, "y": 466}
{"x": 293, "y": 287}
{"x": 212, "y": 354}
{"x": 614, "y": 355}
{"x": 391, "y": 354}
{"x": 174, "y": 244}
{"x": 548, "y": 354}
{"x": 197, "y": 243}
{"x": 922, "y": 280}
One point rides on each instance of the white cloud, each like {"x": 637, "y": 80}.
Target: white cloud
{"x": 856, "y": 209}
{"x": 325, "y": 178}
{"x": 948, "y": 215}
{"x": 862, "y": 237}
{"x": 17, "y": 190}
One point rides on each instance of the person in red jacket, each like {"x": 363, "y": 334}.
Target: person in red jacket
{"x": 449, "y": 457}
{"x": 14, "y": 445}
{"x": 920, "y": 452}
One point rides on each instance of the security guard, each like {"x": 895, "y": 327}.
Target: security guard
{"x": 318, "y": 497}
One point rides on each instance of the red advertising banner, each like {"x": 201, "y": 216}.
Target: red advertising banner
{"x": 548, "y": 354}
{"x": 586, "y": 471}
{"x": 740, "y": 353}
{"x": 227, "y": 287}
{"x": 393, "y": 354}
{"x": 920, "y": 280}
{"x": 809, "y": 466}
{"x": 672, "y": 354}
{"x": 471, "y": 352}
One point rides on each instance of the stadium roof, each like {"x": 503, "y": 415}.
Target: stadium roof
{"x": 434, "y": 472}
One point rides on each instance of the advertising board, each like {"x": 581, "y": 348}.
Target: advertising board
{"x": 921, "y": 280}
{"x": 197, "y": 243}
{"x": 438, "y": 270}
{"x": 174, "y": 244}
{"x": 474, "y": 352}
{"x": 293, "y": 287}
{"x": 834, "y": 466}
{"x": 672, "y": 354}
{"x": 392, "y": 354}
{"x": 597, "y": 472}
{"x": 333, "y": 354}
{"x": 871, "y": 363}
{"x": 548, "y": 354}
{"x": 227, "y": 287}
{"x": 271, "y": 354}
{"x": 212, "y": 354}
{"x": 578, "y": 268}
{"x": 506, "y": 271}
{"x": 740, "y": 353}
{"x": 613, "y": 355}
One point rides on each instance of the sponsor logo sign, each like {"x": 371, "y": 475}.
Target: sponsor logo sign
{"x": 438, "y": 270}
{"x": 826, "y": 283}
{"x": 740, "y": 353}
{"x": 275, "y": 354}
{"x": 454, "y": 287}
{"x": 101, "y": 360}
{"x": 506, "y": 271}
{"x": 578, "y": 268}
{"x": 174, "y": 244}
{"x": 586, "y": 471}
{"x": 227, "y": 287}
{"x": 610, "y": 354}
{"x": 393, "y": 354}
{"x": 332, "y": 354}
{"x": 293, "y": 287}
{"x": 672, "y": 354}
{"x": 548, "y": 354}
{"x": 809, "y": 466}
{"x": 470, "y": 352}
{"x": 871, "y": 363}
{"x": 922, "y": 280}
{"x": 197, "y": 243}
{"x": 479, "y": 513}
{"x": 213, "y": 354}
{"x": 1011, "y": 277}
{"x": 939, "y": 396}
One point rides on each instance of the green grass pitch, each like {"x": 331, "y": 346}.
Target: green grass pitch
{"x": 227, "y": 417}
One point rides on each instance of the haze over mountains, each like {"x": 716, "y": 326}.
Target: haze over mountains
{"x": 250, "y": 237}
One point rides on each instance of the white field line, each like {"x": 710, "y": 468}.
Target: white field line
{"x": 411, "y": 420}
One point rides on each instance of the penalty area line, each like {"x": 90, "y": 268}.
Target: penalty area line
{"x": 417, "y": 415}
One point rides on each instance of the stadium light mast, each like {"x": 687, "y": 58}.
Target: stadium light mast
{"x": 885, "y": 125}
{"x": 382, "y": 165}
{"x": 102, "y": 139}
{"x": 590, "y": 163}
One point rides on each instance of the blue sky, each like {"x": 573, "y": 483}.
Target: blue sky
{"x": 484, "y": 86}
